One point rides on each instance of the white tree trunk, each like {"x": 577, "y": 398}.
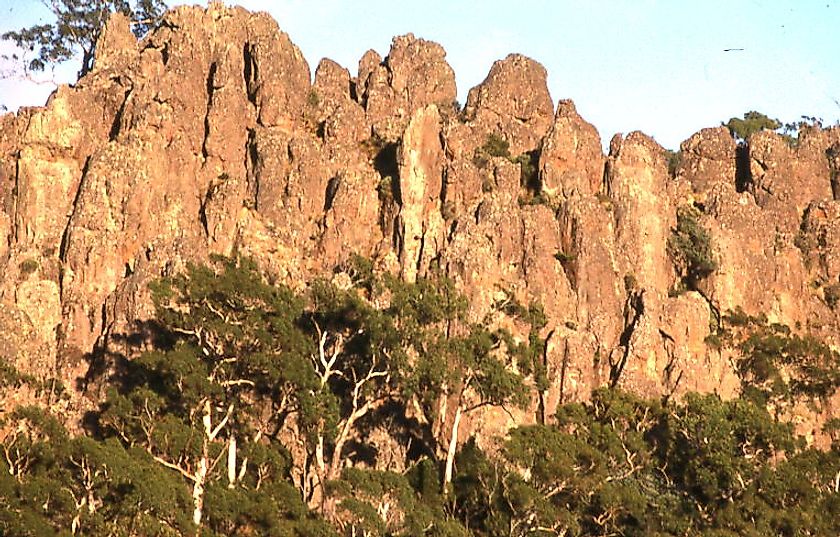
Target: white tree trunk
{"x": 453, "y": 447}
{"x": 198, "y": 488}
{"x": 231, "y": 461}
{"x": 203, "y": 464}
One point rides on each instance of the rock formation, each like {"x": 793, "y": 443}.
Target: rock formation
{"x": 208, "y": 137}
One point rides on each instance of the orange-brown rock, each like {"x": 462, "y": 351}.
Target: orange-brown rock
{"x": 513, "y": 101}
{"x": 413, "y": 75}
{"x": 571, "y": 160}
{"x": 786, "y": 179}
{"x": 708, "y": 158}
{"x": 207, "y": 137}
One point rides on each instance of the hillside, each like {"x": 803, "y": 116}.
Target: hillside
{"x": 207, "y": 137}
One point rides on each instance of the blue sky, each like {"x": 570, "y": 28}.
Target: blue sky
{"x": 658, "y": 66}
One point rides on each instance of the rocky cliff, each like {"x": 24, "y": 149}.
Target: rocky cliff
{"x": 209, "y": 136}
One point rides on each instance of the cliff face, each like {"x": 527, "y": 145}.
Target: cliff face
{"x": 208, "y": 137}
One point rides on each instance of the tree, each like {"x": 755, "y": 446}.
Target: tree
{"x": 76, "y": 29}
{"x": 752, "y": 123}
{"x": 690, "y": 247}
{"x": 415, "y": 350}
{"x": 622, "y": 465}
{"x": 209, "y": 406}
{"x": 358, "y": 364}
{"x": 777, "y": 366}
{"x": 382, "y": 503}
{"x": 458, "y": 366}
{"x": 251, "y": 385}
{"x": 51, "y": 482}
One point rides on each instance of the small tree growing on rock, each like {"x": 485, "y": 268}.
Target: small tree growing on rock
{"x": 76, "y": 28}
{"x": 690, "y": 246}
{"x": 752, "y": 123}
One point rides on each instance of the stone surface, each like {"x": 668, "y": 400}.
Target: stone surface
{"x": 207, "y": 137}
{"x": 571, "y": 161}
{"x": 707, "y": 158}
{"x": 413, "y": 75}
{"x": 420, "y": 183}
{"x": 513, "y": 101}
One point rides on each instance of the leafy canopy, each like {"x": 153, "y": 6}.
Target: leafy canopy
{"x": 752, "y": 123}
{"x": 690, "y": 246}
{"x": 75, "y": 29}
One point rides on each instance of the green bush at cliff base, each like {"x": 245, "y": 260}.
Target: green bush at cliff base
{"x": 251, "y": 358}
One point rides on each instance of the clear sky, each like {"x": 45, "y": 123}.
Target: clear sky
{"x": 659, "y": 66}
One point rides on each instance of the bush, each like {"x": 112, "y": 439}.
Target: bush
{"x": 753, "y": 122}
{"x": 313, "y": 99}
{"x": 28, "y": 266}
{"x": 564, "y": 257}
{"x": 690, "y": 246}
{"x": 674, "y": 159}
{"x": 496, "y": 146}
{"x": 832, "y": 295}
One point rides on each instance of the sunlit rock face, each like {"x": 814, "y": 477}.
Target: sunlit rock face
{"x": 208, "y": 137}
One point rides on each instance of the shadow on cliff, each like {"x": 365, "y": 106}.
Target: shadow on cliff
{"x": 743, "y": 173}
{"x": 399, "y": 438}
{"x": 403, "y": 439}
{"x": 110, "y": 364}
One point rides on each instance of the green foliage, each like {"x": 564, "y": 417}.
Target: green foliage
{"x": 238, "y": 365}
{"x": 529, "y": 355}
{"x": 781, "y": 365}
{"x": 312, "y": 98}
{"x": 674, "y": 159}
{"x": 380, "y": 503}
{"x": 76, "y": 28}
{"x": 54, "y": 482}
{"x": 564, "y": 257}
{"x": 11, "y": 377}
{"x": 496, "y": 146}
{"x": 268, "y": 367}
{"x": 690, "y": 246}
{"x": 752, "y": 123}
{"x": 832, "y": 295}
{"x": 620, "y": 465}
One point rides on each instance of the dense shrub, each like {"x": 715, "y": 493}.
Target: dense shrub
{"x": 690, "y": 247}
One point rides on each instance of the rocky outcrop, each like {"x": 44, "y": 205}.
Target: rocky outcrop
{"x": 207, "y": 137}
{"x": 413, "y": 75}
{"x": 513, "y": 101}
{"x": 421, "y": 166}
{"x": 708, "y": 158}
{"x": 785, "y": 179}
{"x": 571, "y": 159}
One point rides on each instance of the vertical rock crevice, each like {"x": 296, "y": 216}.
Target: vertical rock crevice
{"x": 250, "y": 73}
{"x": 252, "y": 174}
{"x": 634, "y": 309}
{"x": 116, "y": 125}
{"x": 743, "y": 171}
{"x": 833, "y": 156}
{"x": 210, "y": 88}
